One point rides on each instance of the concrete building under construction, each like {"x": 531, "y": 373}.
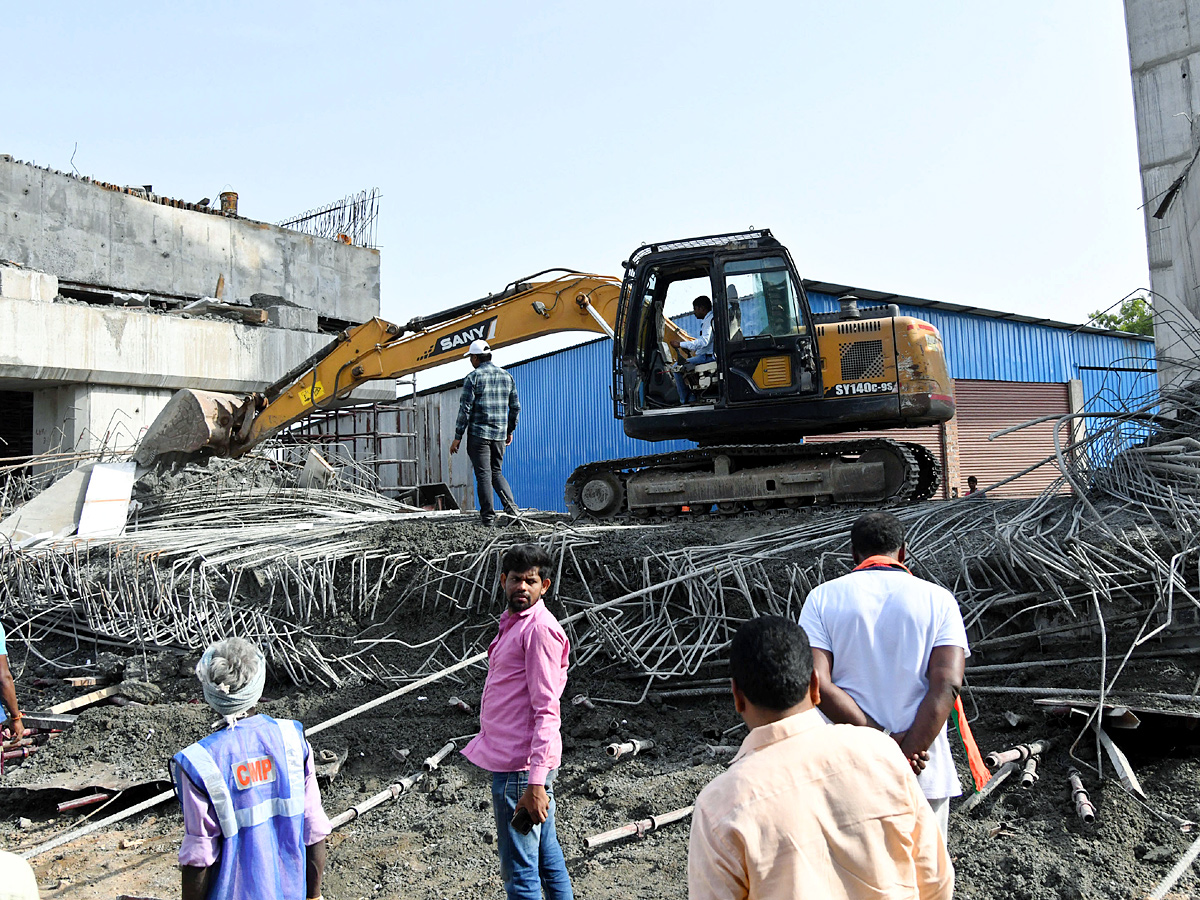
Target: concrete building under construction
{"x": 113, "y": 297}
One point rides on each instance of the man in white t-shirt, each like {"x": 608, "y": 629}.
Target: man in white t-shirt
{"x": 890, "y": 649}
{"x": 702, "y": 348}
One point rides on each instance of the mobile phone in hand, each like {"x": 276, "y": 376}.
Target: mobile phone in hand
{"x": 522, "y": 821}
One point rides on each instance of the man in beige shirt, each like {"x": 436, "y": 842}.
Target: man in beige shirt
{"x": 806, "y": 808}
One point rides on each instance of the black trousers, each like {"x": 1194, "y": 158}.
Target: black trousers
{"x": 486, "y": 457}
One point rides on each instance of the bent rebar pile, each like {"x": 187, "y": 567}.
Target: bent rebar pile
{"x": 222, "y": 554}
{"x": 1111, "y": 566}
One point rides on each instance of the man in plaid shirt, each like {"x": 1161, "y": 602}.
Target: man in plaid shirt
{"x": 487, "y": 412}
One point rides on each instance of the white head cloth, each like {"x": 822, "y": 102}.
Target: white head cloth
{"x": 232, "y": 673}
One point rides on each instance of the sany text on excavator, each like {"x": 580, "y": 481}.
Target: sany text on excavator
{"x": 780, "y": 373}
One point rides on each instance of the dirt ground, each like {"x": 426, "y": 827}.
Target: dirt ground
{"x": 437, "y": 840}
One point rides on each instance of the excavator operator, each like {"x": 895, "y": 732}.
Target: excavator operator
{"x": 701, "y": 348}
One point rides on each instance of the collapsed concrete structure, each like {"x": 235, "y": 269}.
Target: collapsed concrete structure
{"x": 112, "y": 298}
{"x": 1164, "y": 54}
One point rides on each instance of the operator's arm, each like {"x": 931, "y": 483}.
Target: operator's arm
{"x": 545, "y": 677}
{"x": 945, "y": 675}
{"x": 465, "y": 403}
{"x": 8, "y": 694}
{"x": 704, "y": 343}
{"x": 514, "y": 410}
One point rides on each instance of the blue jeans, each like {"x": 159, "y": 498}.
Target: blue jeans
{"x": 528, "y": 862}
{"x": 685, "y": 393}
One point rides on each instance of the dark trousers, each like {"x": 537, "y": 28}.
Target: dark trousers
{"x": 486, "y": 457}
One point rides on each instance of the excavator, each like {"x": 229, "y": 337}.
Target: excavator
{"x": 779, "y": 373}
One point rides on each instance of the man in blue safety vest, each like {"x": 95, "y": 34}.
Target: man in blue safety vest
{"x": 253, "y": 821}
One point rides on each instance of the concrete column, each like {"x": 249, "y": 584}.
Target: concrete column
{"x": 1164, "y": 56}
{"x": 952, "y": 471}
{"x": 86, "y": 417}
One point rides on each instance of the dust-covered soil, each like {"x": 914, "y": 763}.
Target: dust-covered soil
{"x": 437, "y": 840}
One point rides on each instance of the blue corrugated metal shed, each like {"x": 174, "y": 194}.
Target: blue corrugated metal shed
{"x": 567, "y": 419}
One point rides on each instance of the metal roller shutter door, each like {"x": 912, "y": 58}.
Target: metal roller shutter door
{"x": 929, "y": 437}
{"x": 985, "y": 407}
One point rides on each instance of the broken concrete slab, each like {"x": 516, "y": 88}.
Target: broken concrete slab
{"x": 294, "y": 318}
{"x": 27, "y": 284}
{"x": 106, "y": 502}
{"x": 55, "y": 510}
{"x": 317, "y": 472}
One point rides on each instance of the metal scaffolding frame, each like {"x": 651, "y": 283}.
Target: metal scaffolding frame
{"x": 381, "y": 438}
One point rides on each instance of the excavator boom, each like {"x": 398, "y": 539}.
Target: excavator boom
{"x": 196, "y": 422}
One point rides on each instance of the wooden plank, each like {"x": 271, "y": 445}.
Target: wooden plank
{"x": 85, "y": 700}
{"x": 1120, "y": 763}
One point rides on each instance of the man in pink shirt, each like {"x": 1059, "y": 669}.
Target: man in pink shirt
{"x": 519, "y": 719}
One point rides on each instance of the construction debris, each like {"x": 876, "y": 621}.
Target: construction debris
{"x": 1019, "y": 753}
{"x": 1070, "y": 599}
{"x": 85, "y": 700}
{"x": 431, "y": 763}
{"x": 392, "y": 792}
{"x": 628, "y": 748}
{"x": 89, "y": 800}
{"x": 638, "y": 828}
{"x": 998, "y": 778}
{"x": 1124, "y": 770}
{"x": 1083, "y": 805}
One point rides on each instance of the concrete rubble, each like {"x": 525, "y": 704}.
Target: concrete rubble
{"x": 1082, "y": 610}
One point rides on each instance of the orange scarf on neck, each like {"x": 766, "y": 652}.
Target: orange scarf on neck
{"x": 879, "y": 561}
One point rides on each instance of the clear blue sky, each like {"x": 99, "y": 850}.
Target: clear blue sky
{"x": 982, "y": 154}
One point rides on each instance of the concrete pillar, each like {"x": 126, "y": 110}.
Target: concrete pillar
{"x": 87, "y": 417}
{"x": 952, "y": 470}
{"x": 1164, "y": 56}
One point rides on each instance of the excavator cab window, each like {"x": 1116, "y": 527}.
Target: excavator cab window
{"x": 762, "y": 299}
{"x": 769, "y": 349}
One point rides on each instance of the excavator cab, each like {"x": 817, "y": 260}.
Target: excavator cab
{"x": 779, "y": 374}
{"x": 763, "y": 335}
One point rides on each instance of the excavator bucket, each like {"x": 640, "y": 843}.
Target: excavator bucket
{"x": 191, "y": 424}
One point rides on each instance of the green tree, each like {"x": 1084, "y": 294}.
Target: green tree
{"x": 1136, "y": 315}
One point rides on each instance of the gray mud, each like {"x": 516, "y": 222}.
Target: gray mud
{"x": 437, "y": 841}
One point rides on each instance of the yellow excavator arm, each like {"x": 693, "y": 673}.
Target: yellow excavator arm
{"x": 230, "y": 425}
{"x": 379, "y": 349}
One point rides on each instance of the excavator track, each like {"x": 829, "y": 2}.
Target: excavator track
{"x": 738, "y": 479}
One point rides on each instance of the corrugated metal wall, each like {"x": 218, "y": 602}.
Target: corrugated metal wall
{"x": 566, "y": 416}
{"x": 986, "y": 349}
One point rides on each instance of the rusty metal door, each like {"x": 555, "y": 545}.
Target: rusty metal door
{"x": 985, "y": 407}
